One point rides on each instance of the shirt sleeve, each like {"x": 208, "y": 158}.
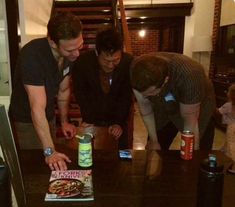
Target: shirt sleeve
{"x": 226, "y": 111}
{"x": 223, "y": 109}
{"x": 31, "y": 68}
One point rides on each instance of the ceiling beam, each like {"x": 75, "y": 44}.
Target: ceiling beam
{"x": 158, "y": 10}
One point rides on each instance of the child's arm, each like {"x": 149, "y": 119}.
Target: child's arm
{"x": 217, "y": 115}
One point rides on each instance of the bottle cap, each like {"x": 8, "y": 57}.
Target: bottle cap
{"x": 85, "y": 138}
{"x": 211, "y": 164}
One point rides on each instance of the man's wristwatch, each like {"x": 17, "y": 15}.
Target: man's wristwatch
{"x": 48, "y": 151}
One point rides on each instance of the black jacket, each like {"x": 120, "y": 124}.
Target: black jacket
{"x": 97, "y": 107}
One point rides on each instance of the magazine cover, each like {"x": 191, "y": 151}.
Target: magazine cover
{"x": 70, "y": 185}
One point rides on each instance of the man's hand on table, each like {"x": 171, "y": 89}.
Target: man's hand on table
{"x": 57, "y": 161}
{"x": 115, "y": 130}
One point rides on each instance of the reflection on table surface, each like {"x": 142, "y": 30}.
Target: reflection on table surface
{"x": 152, "y": 178}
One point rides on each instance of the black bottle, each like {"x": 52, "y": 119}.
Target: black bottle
{"x": 210, "y": 183}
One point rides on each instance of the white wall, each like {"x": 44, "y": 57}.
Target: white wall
{"x": 34, "y": 16}
{"x": 199, "y": 24}
{"x": 227, "y": 12}
{"x": 5, "y": 89}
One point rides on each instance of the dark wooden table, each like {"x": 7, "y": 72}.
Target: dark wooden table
{"x": 151, "y": 179}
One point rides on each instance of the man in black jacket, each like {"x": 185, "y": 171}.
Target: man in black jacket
{"x": 102, "y": 86}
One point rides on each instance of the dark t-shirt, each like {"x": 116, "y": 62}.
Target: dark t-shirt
{"x": 36, "y": 66}
{"x": 97, "y": 106}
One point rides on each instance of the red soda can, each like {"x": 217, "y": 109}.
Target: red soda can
{"x": 187, "y": 140}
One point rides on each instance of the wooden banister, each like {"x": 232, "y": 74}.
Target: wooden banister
{"x": 127, "y": 39}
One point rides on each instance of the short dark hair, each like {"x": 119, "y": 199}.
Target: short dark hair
{"x": 64, "y": 26}
{"x": 148, "y": 70}
{"x": 109, "y": 41}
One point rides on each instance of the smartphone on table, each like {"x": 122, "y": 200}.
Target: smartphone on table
{"x": 125, "y": 154}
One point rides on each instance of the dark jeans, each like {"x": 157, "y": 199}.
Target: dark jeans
{"x": 123, "y": 139}
{"x": 167, "y": 134}
{"x": 123, "y": 142}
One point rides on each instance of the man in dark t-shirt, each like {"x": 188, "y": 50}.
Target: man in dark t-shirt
{"x": 42, "y": 73}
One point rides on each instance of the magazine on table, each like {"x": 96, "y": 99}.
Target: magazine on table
{"x": 70, "y": 185}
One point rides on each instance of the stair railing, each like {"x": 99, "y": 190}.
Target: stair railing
{"x": 126, "y": 34}
{"x": 115, "y": 15}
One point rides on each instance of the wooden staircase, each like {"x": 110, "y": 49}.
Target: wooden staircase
{"x": 94, "y": 15}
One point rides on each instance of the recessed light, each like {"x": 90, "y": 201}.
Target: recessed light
{"x": 142, "y": 33}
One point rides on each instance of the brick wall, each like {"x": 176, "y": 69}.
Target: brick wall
{"x": 216, "y": 25}
{"x": 167, "y": 37}
{"x": 150, "y": 43}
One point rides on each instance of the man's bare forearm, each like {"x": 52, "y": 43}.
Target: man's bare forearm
{"x": 190, "y": 115}
{"x": 147, "y": 115}
{"x": 63, "y": 105}
{"x": 42, "y": 128}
